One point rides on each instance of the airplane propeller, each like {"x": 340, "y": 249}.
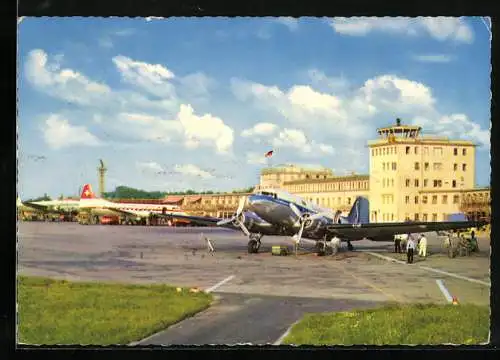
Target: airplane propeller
{"x": 302, "y": 221}
{"x": 238, "y": 218}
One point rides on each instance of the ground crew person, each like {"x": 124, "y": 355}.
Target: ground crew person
{"x": 410, "y": 248}
{"x": 397, "y": 244}
{"x": 422, "y": 249}
{"x": 473, "y": 241}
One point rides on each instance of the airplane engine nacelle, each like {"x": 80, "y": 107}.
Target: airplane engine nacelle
{"x": 253, "y": 223}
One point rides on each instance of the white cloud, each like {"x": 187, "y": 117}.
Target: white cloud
{"x": 205, "y": 129}
{"x": 320, "y": 80}
{"x": 296, "y": 139}
{"x": 396, "y": 94}
{"x": 137, "y": 115}
{"x": 440, "y": 28}
{"x": 65, "y": 84}
{"x": 306, "y": 107}
{"x": 196, "y": 85}
{"x": 192, "y": 170}
{"x": 437, "y": 58}
{"x": 59, "y": 133}
{"x": 153, "y": 78}
{"x": 260, "y": 129}
{"x": 291, "y": 23}
{"x": 456, "y": 126}
{"x": 150, "y": 165}
{"x": 254, "y": 158}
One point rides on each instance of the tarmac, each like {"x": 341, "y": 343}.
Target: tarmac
{"x": 258, "y": 295}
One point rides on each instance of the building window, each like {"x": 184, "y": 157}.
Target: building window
{"x": 464, "y": 152}
{"x": 383, "y": 182}
{"x": 437, "y": 166}
{"x": 416, "y": 183}
{"x": 455, "y": 167}
{"x": 434, "y": 217}
{"x": 464, "y": 167}
{"x": 456, "y": 199}
{"x": 393, "y": 166}
{"x": 424, "y": 217}
{"x": 426, "y": 150}
{"x": 454, "y": 183}
{"x": 416, "y": 199}
{"x": 455, "y": 151}
{"x": 392, "y": 217}
{"x": 444, "y": 217}
{"x": 417, "y": 218}
{"x": 426, "y": 166}
{"x": 392, "y": 182}
{"x": 445, "y": 199}
{"x": 438, "y": 151}
{"x": 407, "y": 199}
{"x": 407, "y": 150}
{"x": 407, "y": 182}
{"x": 417, "y": 166}
{"x": 425, "y": 182}
{"x": 383, "y": 166}
{"x": 416, "y": 150}
{"x": 348, "y": 201}
{"x": 434, "y": 199}
{"x": 424, "y": 199}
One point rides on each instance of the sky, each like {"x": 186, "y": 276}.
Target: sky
{"x": 195, "y": 103}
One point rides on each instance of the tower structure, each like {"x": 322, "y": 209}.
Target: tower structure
{"x": 101, "y": 174}
{"x": 415, "y": 177}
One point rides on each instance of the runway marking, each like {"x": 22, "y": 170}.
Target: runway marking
{"x": 433, "y": 270}
{"x": 444, "y": 290}
{"x": 220, "y": 283}
{"x": 285, "y": 334}
{"x": 367, "y": 283}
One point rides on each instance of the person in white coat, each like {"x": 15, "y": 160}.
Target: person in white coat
{"x": 422, "y": 248}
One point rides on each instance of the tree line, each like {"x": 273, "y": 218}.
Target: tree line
{"x": 125, "y": 192}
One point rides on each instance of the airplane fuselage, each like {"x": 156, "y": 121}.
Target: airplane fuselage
{"x": 278, "y": 211}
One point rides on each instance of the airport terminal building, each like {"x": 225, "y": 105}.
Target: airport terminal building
{"x": 411, "y": 177}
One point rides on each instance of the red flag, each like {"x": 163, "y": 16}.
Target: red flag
{"x": 269, "y": 154}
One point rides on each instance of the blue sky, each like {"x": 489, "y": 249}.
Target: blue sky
{"x": 173, "y": 104}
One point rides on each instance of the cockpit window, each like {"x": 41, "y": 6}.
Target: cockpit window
{"x": 269, "y": 194}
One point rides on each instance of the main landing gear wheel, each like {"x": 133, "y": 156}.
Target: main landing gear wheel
{"x": 254, "y": 243}
{"x": 321, "y": 248}
{"x": 253, "y": 246}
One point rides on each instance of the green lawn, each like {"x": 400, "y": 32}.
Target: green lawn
{"x": 61, "y": 312}
{"x": 395, "y": 325}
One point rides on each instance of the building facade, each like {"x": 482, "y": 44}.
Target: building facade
{"x": 335, "y": 192}
{"x": 275, "y": 177}
{"x": 415, "y": 177}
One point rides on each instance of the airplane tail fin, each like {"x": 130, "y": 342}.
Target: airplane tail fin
{"x": 360, "y": 211}
{"x": 457, "y": 217}
{"x": 87, "y": 192}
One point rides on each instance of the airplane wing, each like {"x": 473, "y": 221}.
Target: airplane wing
{"x": 385, "y": 231}
{"x": 202, "y": 220}
{"x": 35, "y": 206}
{"x": 122, "y": 212}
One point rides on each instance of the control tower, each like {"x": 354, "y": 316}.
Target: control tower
{"x": 392, "y": 133}
{"x": 101, "y": 173}
{"x": 417, "y": 177}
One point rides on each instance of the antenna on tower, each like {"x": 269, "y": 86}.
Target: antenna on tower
{"x": 101, "y": 171}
